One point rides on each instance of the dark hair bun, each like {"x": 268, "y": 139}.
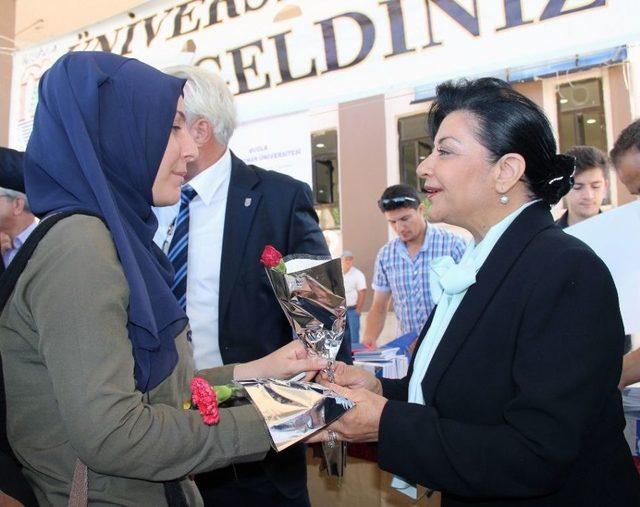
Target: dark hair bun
{"x": 559, "y": 180}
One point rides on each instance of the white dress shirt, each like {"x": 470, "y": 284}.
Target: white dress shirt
{"x": 206, "y": 227}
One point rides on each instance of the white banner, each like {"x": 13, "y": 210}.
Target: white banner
{"x": 281, "y": 144}
{"x": 615, "y": 237}
{"x": 282, "y": 57}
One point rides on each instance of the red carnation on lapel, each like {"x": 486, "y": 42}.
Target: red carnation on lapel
{"x": 205, "y": 398}
{"x": 272, "y": 259}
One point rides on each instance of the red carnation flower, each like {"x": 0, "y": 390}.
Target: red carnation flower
{"x": 272, "y": 259}
{"x": 206, "y": 400}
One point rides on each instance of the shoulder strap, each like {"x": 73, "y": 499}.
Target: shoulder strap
{"x": 11, "y": 274}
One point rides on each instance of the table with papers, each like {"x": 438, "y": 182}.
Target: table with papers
{"x": 384, "y": 362}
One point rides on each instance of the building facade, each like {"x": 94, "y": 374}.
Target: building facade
{"x": 335, "y": 92}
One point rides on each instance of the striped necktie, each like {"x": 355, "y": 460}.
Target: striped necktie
{"x": 178, "y": 250}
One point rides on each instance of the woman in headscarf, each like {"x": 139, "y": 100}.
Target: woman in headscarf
{"x": 96, "y": 350}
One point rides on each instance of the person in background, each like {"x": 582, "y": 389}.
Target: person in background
{"x": 590, "y": 188}
{"x": 625, "y": 157}
{"x": 355, "y": 289}
{"x": 402, "y": 265}
{"x": 16, "y": 223}
{"x": 11, "y": 178}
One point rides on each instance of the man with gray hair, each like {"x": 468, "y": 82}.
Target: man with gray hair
{"x": 16, "y": 223}
{"x": 229, "y": 211}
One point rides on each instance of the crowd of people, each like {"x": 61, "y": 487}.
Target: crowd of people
{"x": 143, "y": 272}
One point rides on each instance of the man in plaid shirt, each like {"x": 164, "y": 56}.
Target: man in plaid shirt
{"x": 402, "y": 265}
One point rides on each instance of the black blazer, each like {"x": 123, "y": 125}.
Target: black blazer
{"x": 522, "y": 406}
{"x": 280, "y": 213}
{"x": 251, "y": 324}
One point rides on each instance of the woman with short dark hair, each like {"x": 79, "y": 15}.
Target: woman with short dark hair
{"x": 511, "y": 397}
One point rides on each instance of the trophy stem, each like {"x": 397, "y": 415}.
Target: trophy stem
{"x": 335, "y": 458}
{"x": 329, "y": 371}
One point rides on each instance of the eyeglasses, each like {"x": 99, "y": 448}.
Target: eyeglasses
{"x": 395, "y": 202}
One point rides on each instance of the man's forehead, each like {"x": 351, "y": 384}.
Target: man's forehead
{"x": 591, "y": 175}
{"x": 399, "y": 213}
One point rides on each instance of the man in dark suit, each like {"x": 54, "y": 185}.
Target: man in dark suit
{"x": 10, "y": 178}
{"x": 233, "y": 210}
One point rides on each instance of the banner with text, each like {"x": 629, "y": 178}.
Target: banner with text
{"x": 283, "y": 56}
{"x": 281, "y": 144}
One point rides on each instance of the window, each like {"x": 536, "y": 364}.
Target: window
{"x": 415, "y": 146}
{"x": 324, "y": 153}
{"x": 581, "y": 115}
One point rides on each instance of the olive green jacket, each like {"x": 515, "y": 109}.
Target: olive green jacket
{"x": 70, "y": 390}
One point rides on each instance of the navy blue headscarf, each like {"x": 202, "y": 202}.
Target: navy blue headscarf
{"x": 100, "y": 131}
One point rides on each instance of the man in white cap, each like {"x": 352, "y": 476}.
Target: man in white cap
{"x": 355, "y": 288}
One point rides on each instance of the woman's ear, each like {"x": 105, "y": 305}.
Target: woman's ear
{"x": 201, "y": 131}
{"x": 509, "y": 170}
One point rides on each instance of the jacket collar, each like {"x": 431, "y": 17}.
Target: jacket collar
{"x": 507, "y": 250}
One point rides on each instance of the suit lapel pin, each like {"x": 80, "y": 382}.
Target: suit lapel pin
{"x": 247, "y": 202}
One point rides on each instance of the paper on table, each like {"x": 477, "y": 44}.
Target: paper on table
{"x": 395, "y": 367}
{"x": 615, "y": 237}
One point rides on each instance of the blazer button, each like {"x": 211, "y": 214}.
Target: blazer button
{"x": 189, "y": 335}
